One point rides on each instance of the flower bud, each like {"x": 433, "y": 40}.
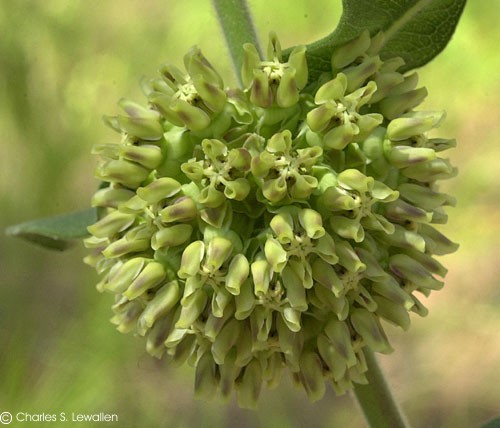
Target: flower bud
{"x": 311, "y": 375}
{"x": 401, "y": 211}
{"x": 329, "y": 356}
{"x": 218, "y": 251}
{"x": 122, "y": 171}
{"x": 392, "y": 312}
{"x": 394, "y": 106}
{"x": 432, "y": 170}
{"x": 347, "y": 228}
{"x": 282, "y": 226}
{"x": 251, "y": 61}
{"x": 212, "y": 95}
{"x": 125, "y": 246}
{"x": 126, "y": 315}
{"x": 159, "y": 189}
{"x": 295, "y": 291}
{"x": 206, "y": 379}
{"x": 261, "y": 274}
{"x": 237, "y": 274}
{"x": 171, "y": 236}
{"x": 148, "y": 156}
{"x": 435, "y": 242}
{"x": 358, "y": 74}
{"x": 410, "y": 270}
{"x": 249, "y": 385}
{"x": 312, "y": 223}
{"x": 120, "y": 279}
{"x": 228, "y": 374}
{"x": 111, "y": 224}
{"x": 152, "y": 275}
{"x": 237, "y": 189}
{"x": 369, "y": 328}
{"x": 156, "y": 336}
{"x": 110, "y": 197}
{"x": 403, "y": 238}
{"x": 414, "y": 123}
{"x": 403, "y": 156}
{"x": 183, "y": 209}
{"x": 298, "y": 62}
{"x": 191, "y": 259}
{"x": 390, "y": 289}
{"x": 141, "y": 122}
{"x": 225, "y": 340}
{"x": 164, "y": 300}
{"x": 424, "y": 197}
{"x": 245, "y": 301}
{"x": 348, "y": 52}
{"x": 348, "y": 257}
{"x": 339, "y": 337}
{"x": 191, "y": 309}
{"x": 287, "y": 94}
{"x": 275, "y": 254}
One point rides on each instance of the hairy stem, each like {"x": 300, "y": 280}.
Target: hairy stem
{"x": 376, "y": 400}
{"x": 236, "y": 23}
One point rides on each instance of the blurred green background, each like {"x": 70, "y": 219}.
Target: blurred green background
{"x": 65, "y": 63}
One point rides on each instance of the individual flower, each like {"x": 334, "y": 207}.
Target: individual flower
{"x": 337, "y": 118}
{"x": 190, "y": 99}
{"x": 221, "y": 174}
{"x": 273, "y": 82}
{"x": 283, "y": 172}
{"x": 353, "y": 202}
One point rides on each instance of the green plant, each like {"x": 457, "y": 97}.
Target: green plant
{"x": 204, "y": 175}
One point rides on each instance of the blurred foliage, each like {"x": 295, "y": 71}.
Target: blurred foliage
{"x": 63, "y": 64}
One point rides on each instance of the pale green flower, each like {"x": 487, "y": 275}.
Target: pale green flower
{"x": 338, "y": 118}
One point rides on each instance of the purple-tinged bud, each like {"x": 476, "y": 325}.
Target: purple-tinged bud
{"x": 350, "y": 51}
{"x": 249, "y": 385}
{"x": 146, "y": 155}
{"x": 171, "y": 236}
{"x": 311, "y": 375}
{"x": 368, "y": 327}
{"x": 182, "y": 209}
{"x": 218, "y": 251}
{"x": 161, "y": 304}
{"x": 414, "y": 123}
{"x": 159, "y": 189}
{"x": 111, "y": 224}
{"x": 151, "y": 276}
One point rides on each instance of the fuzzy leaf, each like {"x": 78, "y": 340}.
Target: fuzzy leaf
{"x": 416, "y": 30}
{"x": 55, "y": 232}
{"x": 495, "y": 423}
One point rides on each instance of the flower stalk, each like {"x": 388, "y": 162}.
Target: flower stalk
{"x": 236, "y": 23}
{"x": 375, "y": 398}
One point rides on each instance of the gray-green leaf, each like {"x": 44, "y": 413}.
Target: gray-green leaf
{"x": 495, "y": 423}
{"x": 55, "y": 232}
{"x": 416, "y": 30}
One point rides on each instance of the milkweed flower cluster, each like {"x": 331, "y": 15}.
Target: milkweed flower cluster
{"x": 275, "y": 227}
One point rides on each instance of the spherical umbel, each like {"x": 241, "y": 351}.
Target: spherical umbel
{"x": 252, "y": 231}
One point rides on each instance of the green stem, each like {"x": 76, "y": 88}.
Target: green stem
{"x": 375, "y": 398}
{"x": 236, "y": 22}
